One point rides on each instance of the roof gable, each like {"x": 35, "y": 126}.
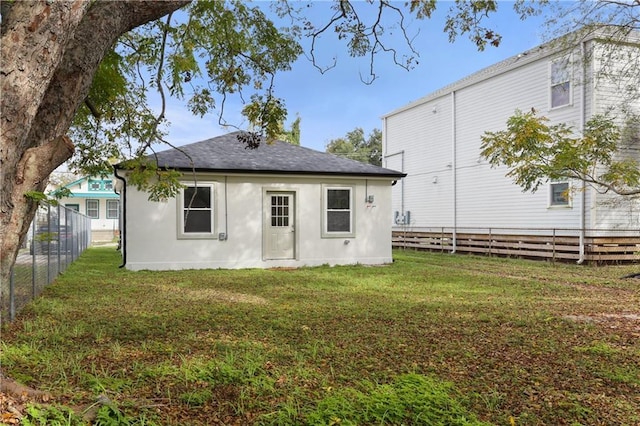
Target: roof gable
{"x": 227, "y": 154}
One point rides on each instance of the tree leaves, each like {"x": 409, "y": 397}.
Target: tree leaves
{"x": 145, "y": 175}
{"x": 204, "y": 55}
{"x": 266, "y": 115}
{"x": 466, "y": 16}
{"x": 214, "y": 52}
{"x": 356, "y": 147}
{"x": 535, "y": 152}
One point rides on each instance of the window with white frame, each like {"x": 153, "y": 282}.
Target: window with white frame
{"x": 338, "y": 211}
{"x": 113, "y": 209}
{"x": 559, "y": 194}
{"x": 196, "y": 211}
{"x": 560, "y": 82}
{"x": 93, "y": 209}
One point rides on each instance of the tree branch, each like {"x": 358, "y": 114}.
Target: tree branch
{"x": 365, "y": 39}
{"x": 82, "y": 58}
{"x": 163, "y": 101}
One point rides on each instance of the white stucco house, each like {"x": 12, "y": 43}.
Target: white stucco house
{"x": 95, "y": 197}
{"x": 450, "y": 189}
{"x": 278, "y": 205}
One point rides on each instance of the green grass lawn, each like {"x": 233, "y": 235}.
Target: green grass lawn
{"x": 432, "y": 339}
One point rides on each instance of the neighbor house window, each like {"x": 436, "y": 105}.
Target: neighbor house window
{"x": 559, "y": 194}
{"x": 74, "y": 207}
{"x": 338, "y": 211}
{"x": 560, "y": 82}
{"x": 197, "y": 212}
{"x": 94, "y": 185}
{"x": 93, "y": 209}
{"x": 113, "y": 209}
{"x": 100, "y": 185}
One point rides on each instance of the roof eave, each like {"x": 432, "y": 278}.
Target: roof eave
{"x": 282, "y": 172}
{"x": 291, "y": 172}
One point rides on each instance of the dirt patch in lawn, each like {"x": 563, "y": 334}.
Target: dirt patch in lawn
{"x": 625, "y": 322}
{"x": 214, "y": 294}
{"x": 224, "y": 296}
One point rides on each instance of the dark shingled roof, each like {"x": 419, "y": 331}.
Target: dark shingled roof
{"x": 227, "y": 154}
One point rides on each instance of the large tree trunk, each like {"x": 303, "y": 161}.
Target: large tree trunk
{"x": 50, "y": 51}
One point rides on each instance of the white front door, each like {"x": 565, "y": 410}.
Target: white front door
{"x": 280, "y": 225}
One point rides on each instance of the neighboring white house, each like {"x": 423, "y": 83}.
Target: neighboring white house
{"x": 96, "y": 198}
{"x": 436, "y": 142}
{"x": 279, "y": 205}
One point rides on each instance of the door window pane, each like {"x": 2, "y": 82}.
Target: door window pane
{"x": 279, "y": 210}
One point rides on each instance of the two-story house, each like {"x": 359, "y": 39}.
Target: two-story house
{"x": 452, "y": 199}
{"x": 96, "y": 198}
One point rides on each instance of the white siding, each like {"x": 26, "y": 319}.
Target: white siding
{"x": 151, "y": 230}
{"x": 615, "y": 79}
{"x": 426, "y": 131}
{"x": 616, "y": 90}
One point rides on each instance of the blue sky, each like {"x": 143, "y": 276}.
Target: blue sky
{"x": 336, "y": 102}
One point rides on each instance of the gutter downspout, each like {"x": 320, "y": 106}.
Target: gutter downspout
{"x": 123, "y": 231}
{"x": 584, "y": 185}
{"x": 401, "y": 153}
{"x": 453, "y": 170}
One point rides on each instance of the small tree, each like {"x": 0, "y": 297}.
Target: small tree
{"x": 534, "y": 152}
{"x": 292, "y": 135}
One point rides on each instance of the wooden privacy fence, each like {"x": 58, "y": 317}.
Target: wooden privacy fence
{"x": 599, "y": 246}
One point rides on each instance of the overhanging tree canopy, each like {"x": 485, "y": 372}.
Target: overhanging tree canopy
{"x": 91, "y": 65}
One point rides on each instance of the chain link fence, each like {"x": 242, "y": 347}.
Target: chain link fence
{"x": 56, "y": 237}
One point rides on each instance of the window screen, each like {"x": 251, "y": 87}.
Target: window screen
{"x": 560, "y": 83}
{"x": 93, "y": 207}
{"x": 338, "y": 210}
{"x": 197, "y": 209}
{"x": 560, "y": 194}
{"x": 113, "y": 209}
